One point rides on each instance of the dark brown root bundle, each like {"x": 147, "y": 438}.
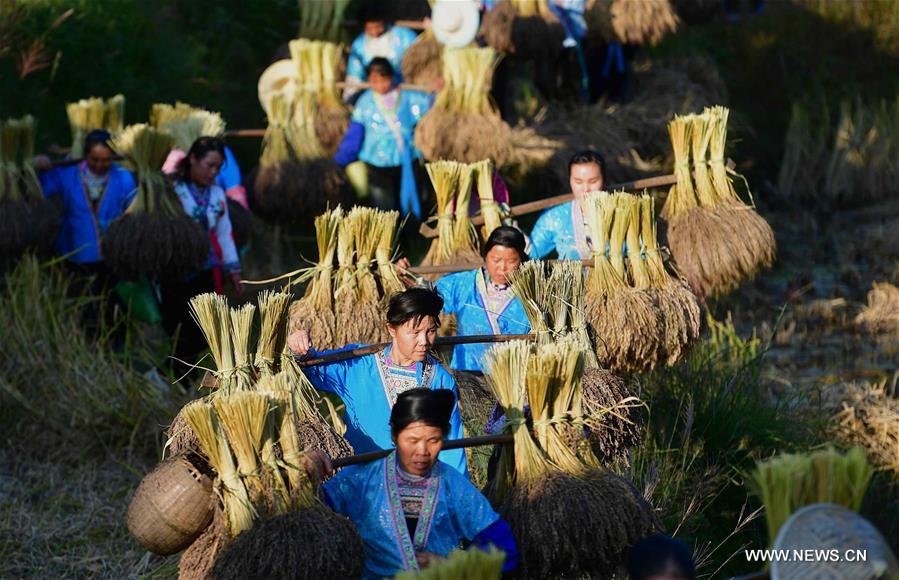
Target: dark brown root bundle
{"x": 330, "y": 126}
{"x": 359, "y": 321}
{"x": 155, "y": 245}
{"x": 27, "y": 225}
{"x": 464, "y": 137}
{"x": 297, "y": 191}
{"x": 622, "y": 430}
{"x": 319, "y": 434}
{"x": 198, "y": 559}
{"x": 311, "y": 543}
{"x": 626, "y": 326}
{"x": 180, "y": 438}
{"x": 682, "y": 317}
{"x": 497, "y": 25}
{"x": 717, "y": 249}
{"x": 575, "y": 527}
{"x": 421, "y": 63}
{"x": 321, "y": 324}
{"x": 241, "y": 223}
{"x": 476, "y": 400}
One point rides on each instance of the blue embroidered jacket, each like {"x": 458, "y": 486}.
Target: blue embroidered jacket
{"x": 81, "y": 229}
{"x": 554, "y": 231}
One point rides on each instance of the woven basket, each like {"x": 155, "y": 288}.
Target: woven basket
{"x": 171, "y": 507}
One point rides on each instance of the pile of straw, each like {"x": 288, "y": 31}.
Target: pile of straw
{"x": 422, "y": 62}
{"x": 632, "y": 21}
{"x": 27, "y": 220}
{"x": 870, "y": 417}
{"x": 471, "y": 564}
{"x": 352, "y": 281}
{"x": 87, "y": 115}
{"x": 297, "y": 176}
{"x": 788, "y": 482}
{"x": 464, "y": 124}
{"x": 642, "y": 316}
{"x": 717, "y": 240}
{"x": 881, "y": 314}
{"x": 154, "y": 237}
{"x": 457, "y": 240}
{"x": 543, "y": 488}
{"x": 846, "y": 163}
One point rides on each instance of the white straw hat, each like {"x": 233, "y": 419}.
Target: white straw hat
{"x": 455, "y": 22}
{"x": 280, "y": 77}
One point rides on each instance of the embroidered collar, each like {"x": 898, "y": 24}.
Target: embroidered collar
{"x": 396, "y": 380}
{"x": 494, "y": 303}
{"x": 408, "y": 545}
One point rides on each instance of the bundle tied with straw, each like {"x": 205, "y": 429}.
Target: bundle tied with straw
{"x": 195, "y": 124}
{"x": 457, "y": 239}
{"x": 493, "y": 215}
{"x": 464, "y": 124}
{"x": 497, "y": 25}
{"x": 154, "y": 237}
{"x": 635, "y": 22}
{"x": 27, "y": 219}
{"x": 553, "y": 301}
{"x": 526, "y": 28}
{"x": 322, "y": 20}
{"x": 297, "y": 176}
{"x": 87, "y": 115}
{"x": 717, "y": 240}
{"x": 543, "y": 486}
{"x": 353, "y": 280}
{"x": 421, "y": 62}
{"x": 789, "y": 481}
{"x": 252, "y": 443}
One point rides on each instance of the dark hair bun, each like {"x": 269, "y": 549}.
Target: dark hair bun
{"x": 431, "y": 407}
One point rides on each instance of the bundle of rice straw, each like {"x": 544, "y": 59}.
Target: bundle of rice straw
{"x": 297, "y": 176}
{"x": 464, "y": 124}
{"x": 869, "y": 416}
{"x": 493, "y": 215}
{"x": 154, "y": 237}
{"x": 251, "y": 441}
{"x": 87, "y": 115}
{"x": 457, "y": 239}
{"x": 542, "y": 486}
{"x": 240, "y": 368}
{"x": 164, "y": 113}
{"x": 189, "y": 127}
{"x": 632, "y": 21}
{"x": 322, "y": 20}
{"x": 497, "y": 25}
{"x": 622, "y": 429}
{"x": 471, "y": 564}
{"x": 421, "y": 63}
{"x": 881, "y": 314}
{"x": 787, "y": 482}
{"x": 352, "y": 281}
{"x": 308, "y": 544}
{"x": 716, "y": 239}
{"x": 27, "y": 220}
{"x": 553, "y": 301}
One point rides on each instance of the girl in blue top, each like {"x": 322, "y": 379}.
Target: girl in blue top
{"x": 410, "y": 510}
{"x": 481, "y": 299}
{"x": 379, "y": 39}
{"x": 563, "y": 228}
{"x": 381, "y": 134}
{"x": 93, "y": 192}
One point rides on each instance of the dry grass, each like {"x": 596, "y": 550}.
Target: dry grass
{"x": 64, "y": 521}
{"x": 870, "y": 417}
{"x": 881, "y": 315}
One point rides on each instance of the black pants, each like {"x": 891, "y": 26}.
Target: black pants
{"x": 177, "y": 321}
{"x": 384, "y": 185}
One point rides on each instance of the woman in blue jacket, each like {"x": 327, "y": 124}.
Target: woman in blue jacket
{"x": 482, "y": 300}
{"x": 93, "y": 192}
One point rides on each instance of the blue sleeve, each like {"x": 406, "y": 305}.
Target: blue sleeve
{"x": 406, "y": 36}
{"x": 355, "y": 66}
{"x": 542, "y": 237}
{"x": 340, "y": 492}
{"x": 229, "y": 176}
{"x": 499, "y": 534}
{"x": 329, "y": 377}
{"x": 51, "y": 182}
{"x": 349, "y": 148}
{"x": 446, "y": 287}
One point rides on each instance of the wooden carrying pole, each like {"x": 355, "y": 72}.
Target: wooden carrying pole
{"x": 540, "y": 204}
{"x": 441, "y": 341}
{"x": 339, "y": 462}
{"x": 461, "y": 267}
